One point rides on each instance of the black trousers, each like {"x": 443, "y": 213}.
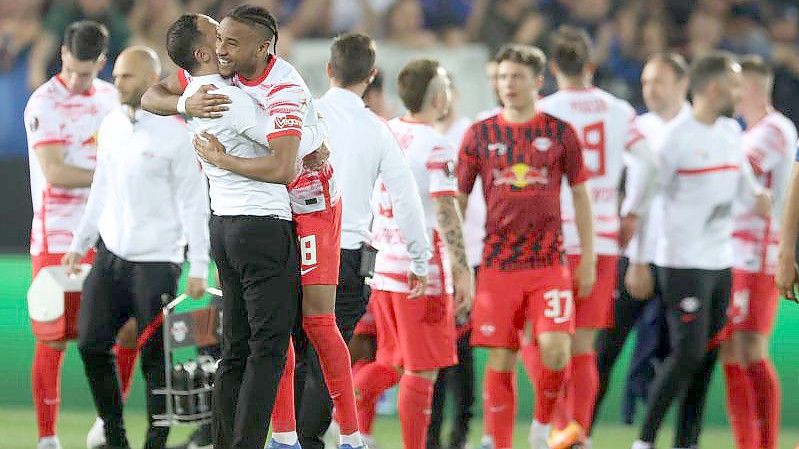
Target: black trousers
{"x": 314, "y": 410}
{"x": 696, "y": 305}
{"x": 459, "y": 379}
{"x": 610, "y": 342}
{"x": 115, "y": 290}
{"x": 258, "y": 268}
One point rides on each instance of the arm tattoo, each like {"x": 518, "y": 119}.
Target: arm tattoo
{"x": 450, "y": 227}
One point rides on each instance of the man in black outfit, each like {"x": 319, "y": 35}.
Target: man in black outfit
{"x": 140, "y": 157}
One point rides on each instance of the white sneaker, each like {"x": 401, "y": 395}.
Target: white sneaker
{"x": 587, "y": 444}
{"x": 638, "y": 444}
{"x": 486, "y": 442}
{"x": 539, "y": 433}
{"x": 49, "y": 443}
{"x": 331, "y": 435}
{"x": 96, "y": 436}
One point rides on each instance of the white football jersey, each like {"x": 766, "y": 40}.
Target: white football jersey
{"x": 432, "y": 161}
{"x": 641, "y": 249}
{"x": 55, "y": 116}
{"x": 703, "y": 172}
{"x": 606, "y": 127}
{"x": 769, "y": 146}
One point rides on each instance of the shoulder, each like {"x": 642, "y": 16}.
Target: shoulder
{"x": 43, "y": 97}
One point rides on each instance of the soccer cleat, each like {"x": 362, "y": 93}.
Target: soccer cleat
{"x": 95, "y": 439}
{"x": 369, "y": 441}
{"x": 349, "y": 446}
{"x": 275, "y": 445}
{"x": 570, "y": 437}
{"x": 49, "y": 443}
{"x": 638, "y": 444}
{"x": 538, "y": 435}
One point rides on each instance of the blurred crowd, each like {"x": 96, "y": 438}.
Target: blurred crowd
{"x": 626, "y": 32}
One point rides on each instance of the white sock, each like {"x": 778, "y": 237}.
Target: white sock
{"x": 285, "y": 437}
{"x": 537, "y": 426}
{"x": 638, "y": 444}
{"x": 48, "y": 439}
{"x": 353, "y": 439}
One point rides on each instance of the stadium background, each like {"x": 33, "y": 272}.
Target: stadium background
{"x": 461, "y": 33}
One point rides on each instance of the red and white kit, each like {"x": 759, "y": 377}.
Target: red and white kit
{"x": 768, "y": 145}
{"x": 418, "y": 334}
{"x": 315, "y": 202}
{"x": 608, "y": 134}
{"x": 55, "y": 116}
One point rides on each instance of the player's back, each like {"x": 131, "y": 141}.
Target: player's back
{"x": 54, "y": 116}
{"x": 605, "y": 125}
{"x": 432, "y": 162}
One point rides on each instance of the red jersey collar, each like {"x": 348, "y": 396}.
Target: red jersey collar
{"x": 260, "y": 79}
{"x": 502, "y": 122}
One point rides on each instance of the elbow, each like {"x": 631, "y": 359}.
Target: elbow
{"x": 287, "y": 175}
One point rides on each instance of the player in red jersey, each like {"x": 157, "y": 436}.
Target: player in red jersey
{"x": 753, "y": 388}
{"x": 524, "y": 286}
{"x": 610, "y": 139}
{"x": 244, "y": 41}
{"x": 62, "y": 118}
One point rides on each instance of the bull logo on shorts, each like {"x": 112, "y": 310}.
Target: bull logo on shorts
{"x": 689, "y": 304}
{"x": 488, "y": 329}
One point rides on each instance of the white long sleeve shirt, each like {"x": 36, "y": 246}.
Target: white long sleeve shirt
{"x": 704, "y": 170}
{"x": 148, "y": 198}
{"x": 362, "y": 147}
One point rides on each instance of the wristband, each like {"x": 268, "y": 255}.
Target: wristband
{"x": 182, "y": 105}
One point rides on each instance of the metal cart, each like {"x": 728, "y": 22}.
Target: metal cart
{"x": 188, "y": 403}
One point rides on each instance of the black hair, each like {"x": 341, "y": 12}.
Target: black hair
{"x": 709, "y": 67}
{"x": 256, "y": 16}
{"x": 352, "y": 58}
{"x": 86, "y": 40}
{"x": 182, "y": 39}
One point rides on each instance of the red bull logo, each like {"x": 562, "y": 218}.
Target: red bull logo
{"x": 521, "y": 175}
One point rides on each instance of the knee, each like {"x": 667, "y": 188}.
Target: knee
{"x": 502, "y": 360}
{"x": 555, "y": 350}
{"x": 755, "y": 348}
{"x": 584, "y": 341}
{"x": 57, "y": 345}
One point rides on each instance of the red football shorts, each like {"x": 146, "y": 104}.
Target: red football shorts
{"x": 42, "y": 260}
{"x": 595, "y": 311}
{"x": 366, "y": 325}
{"x": 754, "y": 302}
{"x": 416, "y": 334}
{"x": 318, "y": 226}
{"x": 506, "y": 300}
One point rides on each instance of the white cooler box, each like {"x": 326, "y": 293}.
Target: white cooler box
{"x": 53, "y": 302}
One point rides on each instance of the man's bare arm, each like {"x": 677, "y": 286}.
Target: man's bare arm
{"x": 280, "y": 167}
{"x": 463, "y": 202}
{"x": 450, "y": 226}
{"x": 59, "y": 174}
{"x": 162, "y": 97}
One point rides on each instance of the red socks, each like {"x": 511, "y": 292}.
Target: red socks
{"x": 334, "y": 358}
{"x": 547, "y": 389}
{"x": 585, "y": 385}
{"x": 46, "y": 387}
{"x": 415, "y": 399}
{"x": 372, "y": 380}
{"x": 283, "y": 419}
{"x": 766, "y": 386}
{"x": 126, "y": 361}
{"x": 741, "y": 407}
{"x": 499, "y": 406}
